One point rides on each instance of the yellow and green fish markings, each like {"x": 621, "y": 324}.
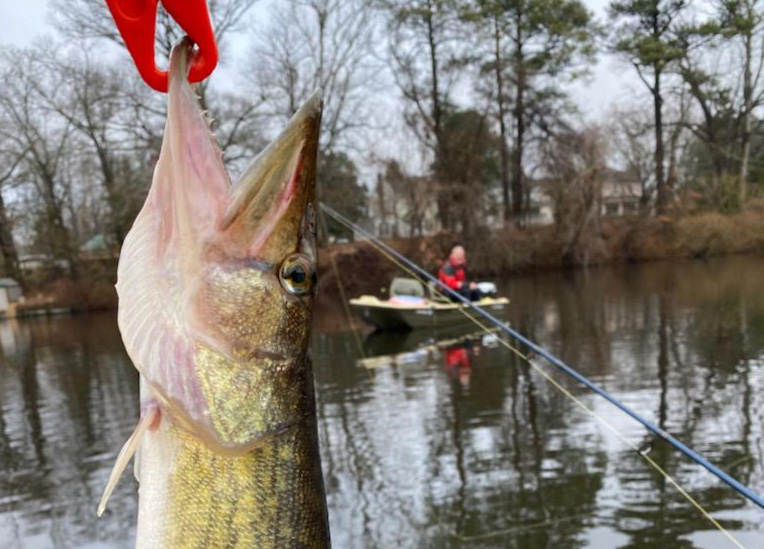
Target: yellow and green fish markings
{"x": 216, "y": 286}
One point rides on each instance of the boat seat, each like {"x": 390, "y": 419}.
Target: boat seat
{"x": 406, "y": 287}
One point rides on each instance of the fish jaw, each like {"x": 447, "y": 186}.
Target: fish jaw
{"x": 276, "y": 191}
{"x": 218, "y": 335}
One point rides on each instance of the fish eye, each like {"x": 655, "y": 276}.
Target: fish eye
{"x": 297, "y": 274}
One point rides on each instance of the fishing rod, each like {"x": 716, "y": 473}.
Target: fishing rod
{"x": 558, "y": 363}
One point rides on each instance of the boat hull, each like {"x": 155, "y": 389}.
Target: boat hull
{"x": 386, "y": 316}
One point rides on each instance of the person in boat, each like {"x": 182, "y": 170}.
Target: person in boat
{"x": 453, "y": 274}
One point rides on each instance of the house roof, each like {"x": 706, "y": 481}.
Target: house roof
{"x": 95, "y": 244}
{"x": 8, "y": 283}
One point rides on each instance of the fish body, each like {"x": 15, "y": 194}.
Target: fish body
{"x": 194, "y": 497}
{"x": 216, "y": 284}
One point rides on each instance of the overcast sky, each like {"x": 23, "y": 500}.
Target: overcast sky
{"x": 23, "y": 21}
{"x": 611, "y": 82}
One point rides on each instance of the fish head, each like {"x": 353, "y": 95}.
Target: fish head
{"x": 222, "y": 337}
{"x": 260, "y": 263}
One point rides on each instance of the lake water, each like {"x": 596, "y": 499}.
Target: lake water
{"x": 448, "y": 440}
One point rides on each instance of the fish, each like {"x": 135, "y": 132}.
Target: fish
{"x": 216, "y": 285}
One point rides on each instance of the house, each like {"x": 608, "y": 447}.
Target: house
{"x": 391, "y": 216}
{"x": 620, "y": 196}
{"x": 30, "y": 263}
{"x": 10, "y": 294}
{"x": 541, "y": 206}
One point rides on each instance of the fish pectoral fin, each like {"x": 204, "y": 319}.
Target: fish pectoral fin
{"x": 125, "y": 454}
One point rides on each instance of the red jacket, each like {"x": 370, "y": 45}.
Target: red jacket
{"x": 451, "y": 275}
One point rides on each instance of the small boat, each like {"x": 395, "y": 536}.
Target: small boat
{"x": 410, "y": 307}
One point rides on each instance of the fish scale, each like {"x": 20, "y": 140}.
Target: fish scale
{"x": 271, "y": 497}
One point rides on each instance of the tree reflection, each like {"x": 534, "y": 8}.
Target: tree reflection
{"x": 69, "y": 399}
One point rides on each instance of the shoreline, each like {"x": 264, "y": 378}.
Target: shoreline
{"x": 363, "y": 270}
{"x": 511, "y": 251}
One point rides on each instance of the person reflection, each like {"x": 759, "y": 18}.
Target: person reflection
{"x": 458, "y": 360}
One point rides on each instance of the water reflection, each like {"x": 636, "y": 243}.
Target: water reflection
{"x": 446, "y": 440}
{"x": 68, "y": 399}
{"x": 506, "y": 461}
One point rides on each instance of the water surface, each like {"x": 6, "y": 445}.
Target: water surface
{"x": 447, "y": 440}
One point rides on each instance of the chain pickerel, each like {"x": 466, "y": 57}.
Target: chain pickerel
{"x": 216, "y": 286}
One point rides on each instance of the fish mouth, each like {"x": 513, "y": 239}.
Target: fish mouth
{"x": 272, "y": 196}
{"x": 259, "y": 216}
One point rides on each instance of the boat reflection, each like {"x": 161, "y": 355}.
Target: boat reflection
{"x": 454, "y": 348}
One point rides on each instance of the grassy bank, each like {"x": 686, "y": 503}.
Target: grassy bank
{"x": 93, "y": 290}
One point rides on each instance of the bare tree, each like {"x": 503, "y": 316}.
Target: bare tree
{"x": 632, "y": 137}
{"x": 425, "y": 60}
{"x": 405, "y": 196}
{"x": 326, "y": 44}
{"x": 645, "y": 34}
{"x": 89, "y": 97}
{"x": 632, "y": 132}
{"x": 90, "y": 19}
{"x": 576, "y": 165}
{"x": 731, "y": 38}
{"x": 678, "y": 115}
{"x": 30, "y": 126}
{"x": 543, "y": 39}
{"x": 743, "y": 22}
{"x": 495, "y": 72}
{"x": 10, "y": 160}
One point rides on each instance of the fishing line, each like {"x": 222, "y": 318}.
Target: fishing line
{"x": 343, "y": 297}
{"x": 420, "y": 274}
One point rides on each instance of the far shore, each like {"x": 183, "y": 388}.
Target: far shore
{"x": 490, "y": 254}
{"x": 509, "y": 251}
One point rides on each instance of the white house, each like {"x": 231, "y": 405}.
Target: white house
{"x": 620, "y": 196}
{"x": 10, "y": 293}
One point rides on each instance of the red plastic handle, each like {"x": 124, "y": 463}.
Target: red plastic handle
{"x": 136, "y": 21}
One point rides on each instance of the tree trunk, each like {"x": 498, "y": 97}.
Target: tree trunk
{"x": 663, "y": 193}
{"x": 437, "y": 112}
{"x": 507, "y": 207}
{"x": 381, "y": 205}
{"x": 445, "y": 191}
{"x": 63, "y": 246}
{"x": 672, "y": 176}
{"x": 93, "y": 128}
{"x": 107, "y": 170}
{"x": 747, "y": 99}
{"x": 8, "y": 247}
{"x": 519, "y": 114}
{"x": 710, "y": 140}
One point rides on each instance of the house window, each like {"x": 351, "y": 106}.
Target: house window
{"x": 611, "y": 209}
{"x": 630, "y": 208}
